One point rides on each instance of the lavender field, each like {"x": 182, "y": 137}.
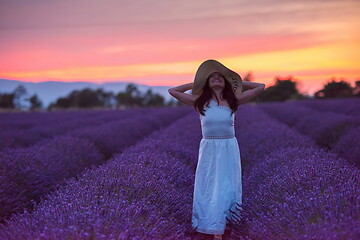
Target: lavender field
{"x": 130, "y": 174}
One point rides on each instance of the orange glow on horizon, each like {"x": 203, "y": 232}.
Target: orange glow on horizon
{"x": 117, "y": 42}
{"x": 311, "y": 65}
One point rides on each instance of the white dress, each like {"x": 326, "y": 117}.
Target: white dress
{"x": 218, "y": 185}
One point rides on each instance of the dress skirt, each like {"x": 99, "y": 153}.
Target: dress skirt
{"x": 217, "y": 186}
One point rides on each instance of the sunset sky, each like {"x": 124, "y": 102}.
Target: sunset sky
{"x": 162, "y": 42}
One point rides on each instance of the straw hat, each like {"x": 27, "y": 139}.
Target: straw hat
{"x": 210, "y": 66}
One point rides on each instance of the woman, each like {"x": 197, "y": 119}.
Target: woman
{"x": 216, "y": 95}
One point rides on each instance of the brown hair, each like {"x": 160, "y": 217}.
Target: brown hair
{"x": 205, "y": 96}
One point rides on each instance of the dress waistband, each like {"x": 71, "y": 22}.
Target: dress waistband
{"x": 219, "y": 137}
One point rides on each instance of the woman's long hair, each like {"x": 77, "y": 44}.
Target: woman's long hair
{"x": 206, "y": 94}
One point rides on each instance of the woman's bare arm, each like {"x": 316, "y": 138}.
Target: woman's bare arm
{"x": 250, "y": 85}
{"x": 254, "y": 89}
{"x": 178, "y": 92}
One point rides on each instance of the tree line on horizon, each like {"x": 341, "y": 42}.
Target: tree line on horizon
{"x": 282, "y": 90}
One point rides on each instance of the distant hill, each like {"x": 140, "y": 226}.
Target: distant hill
{"x": 51, "y": 90}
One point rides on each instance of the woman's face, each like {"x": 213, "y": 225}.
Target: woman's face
{"x": 216, "y": 80}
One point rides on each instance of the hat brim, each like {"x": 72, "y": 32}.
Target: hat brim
{"x": 210, "y": 66}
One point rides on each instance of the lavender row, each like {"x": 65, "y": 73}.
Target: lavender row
{"x": 16, "y": 138}
{"x": 30, "y": 173}
{"x": 293, "y": 189}
{"x": 26, "y": 120}
{"x": 143, "y": 193}
{"x": 342, "y": 146}
{"x": 324, "y": 127}
{"x": 347, "y": 106}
